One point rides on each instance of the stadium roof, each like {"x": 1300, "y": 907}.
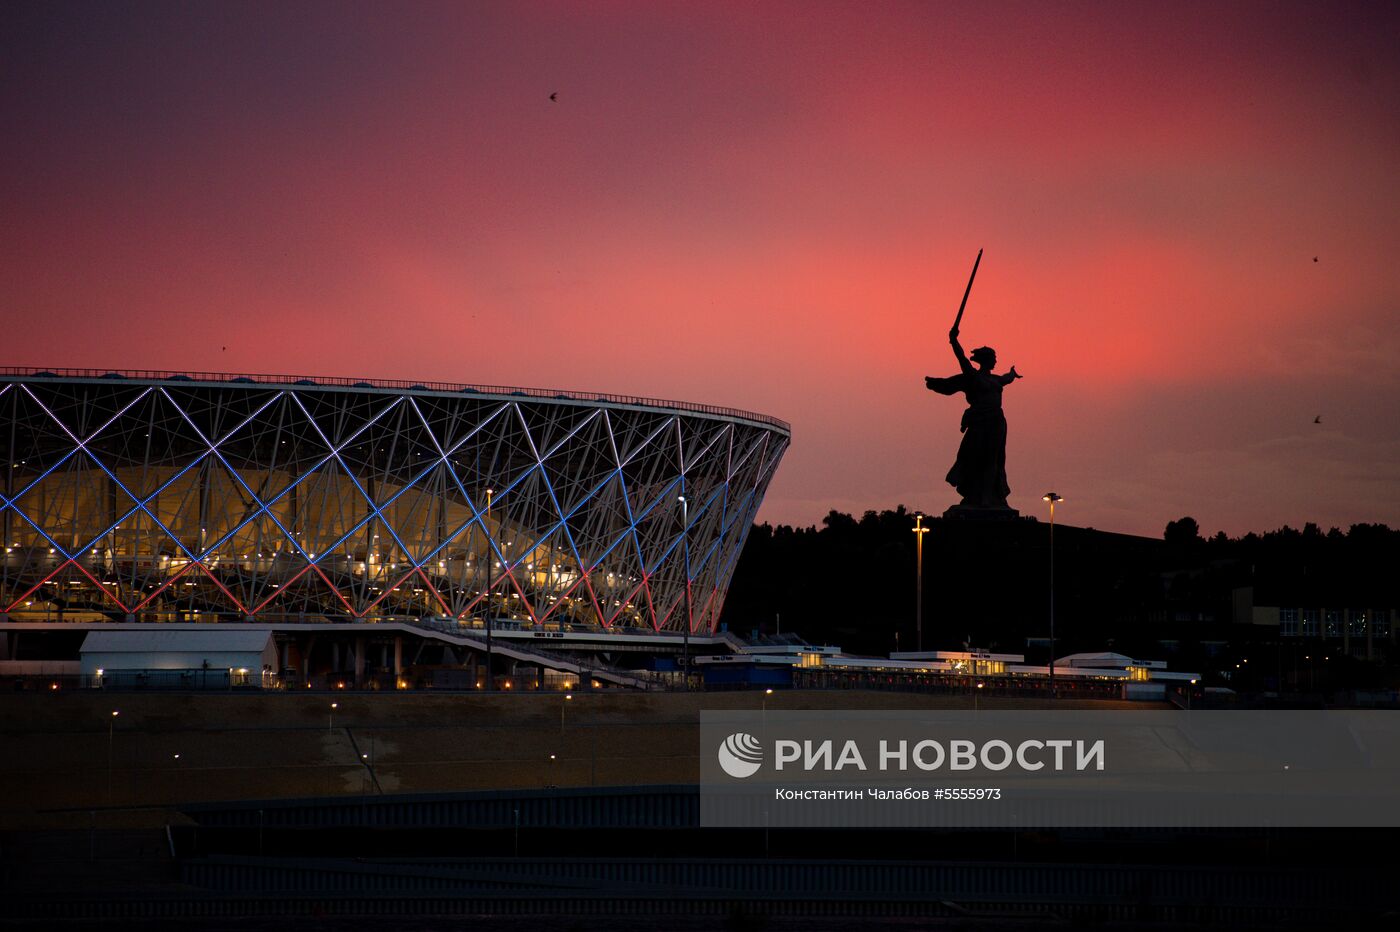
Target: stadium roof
{"x": 319, "y": 381}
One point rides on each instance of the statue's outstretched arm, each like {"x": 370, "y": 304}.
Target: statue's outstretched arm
{"x": 963, "y": 364}
{"x": 1010, "y": 376}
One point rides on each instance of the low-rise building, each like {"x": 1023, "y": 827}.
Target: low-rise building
{"x": 1365, "y": 633}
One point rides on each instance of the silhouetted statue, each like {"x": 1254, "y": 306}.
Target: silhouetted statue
{"x": 979, "y": 474}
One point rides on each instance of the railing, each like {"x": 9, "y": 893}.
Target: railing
{"x": 941, "y": 683}
{"x": 223, "y": 680}
{"x": 548, "y": 394}
{"x": 528, "y": 651}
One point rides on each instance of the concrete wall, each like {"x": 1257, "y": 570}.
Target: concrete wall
{"x": 39, "y": 668}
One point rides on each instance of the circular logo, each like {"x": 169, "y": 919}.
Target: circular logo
{"x": 740, "y": 755}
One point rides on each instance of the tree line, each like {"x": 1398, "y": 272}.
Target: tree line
{"x": 851, "y": 581}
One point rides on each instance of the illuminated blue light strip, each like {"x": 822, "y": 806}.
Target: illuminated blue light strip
{"x": 263, "y": 510}
{"x": 632, "y": 522}
{"x": 664, "y": 497}
{"x": 81, "y": 445}
{"x": 549, "y": 487}
{"x": 140, "y": 503}
{"x": 714, "y": 556}
{"x": 139, "y": 506}
{"x": 335, "y": 454}
{"x": 44, "y": 534}
{"x": 754, "y": 499}
{"x": 44, "y": 475}
{"x": 477, "y": 514}
{"x": 376, "y": 509}
{"x": 626, "y": 495}
{"x": 747, "y": 511}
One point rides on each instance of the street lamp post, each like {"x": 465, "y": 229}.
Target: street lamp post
{"x": 490, "y": 561}
{"x": 1053, "y": 499}
{"x": 562, "y": 706}
{"x": 111, "y": 729}
{"x": 685, "y": 634}
{"x": 763, "y": 713}
{"x": 330, "y": 717}
{"x": 919, "y": 532}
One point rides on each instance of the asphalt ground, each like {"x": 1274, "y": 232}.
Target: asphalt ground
{"x": 66, "y": 761}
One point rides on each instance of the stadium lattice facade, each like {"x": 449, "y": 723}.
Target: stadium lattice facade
{"x": 156, "y": 496}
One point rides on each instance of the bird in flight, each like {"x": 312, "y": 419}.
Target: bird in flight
{"x": 1318, "y": 419}
{"x": 555, "y": 96}
{"x": 1314, "y": 258}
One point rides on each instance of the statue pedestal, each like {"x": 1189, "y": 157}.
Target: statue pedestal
{"x": 973, "y": 513}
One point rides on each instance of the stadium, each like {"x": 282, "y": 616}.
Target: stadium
{"x": 188, "y": 498}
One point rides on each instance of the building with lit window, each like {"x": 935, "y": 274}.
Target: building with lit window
{"x": 1303, "y": 617}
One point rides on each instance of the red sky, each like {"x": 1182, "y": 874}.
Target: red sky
{"x": 769, "y": 206}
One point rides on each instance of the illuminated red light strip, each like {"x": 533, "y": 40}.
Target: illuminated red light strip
{"x": 671, "y": 611}
{"x": 622, "y": 603}
{"x": 690, "y": 601}
{"x": 651, "y": 603}
{"x": 280, "y": 589}
{"x": 597, "y": 608}
{"x": 333, "y": 588}
{"x": 471, "y": 604}
{"x": 72, "y": 561}
{"x": 529, "y": 609}
{"x": 40, "y": 584}
{"x": 708, "y": 602}
{"x": 495, "y": 584}
{"x": 222, "y": 588}
{"x": 446, "y": 609}
{"x": 560, "y": 599}
{"x": 101, "y": 588}
{"x": 165, "y": 585}
{"x": 679, "y": 604}
{"x": 388, "y": 589}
